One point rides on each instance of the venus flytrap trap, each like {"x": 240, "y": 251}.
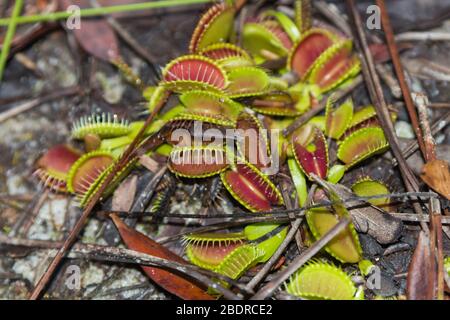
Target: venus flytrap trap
{"x": 247, "y": 82}
{"x": 228, "y": 55}
{"x": 334, "y": 66}
{"x": 53, "y": 167}
{"x": 263, "y": 42}
{"x": 251, "y": 188}
{"x": 337, "y": 120}
{"x": 252, "y": 144}
{"x": 364, "y": 117}
{"x": 103, "y": 125}
{"x": 322, "y": 281}
{"x": 308, "y": 49}
{"x": 87, "y": 173}
{"x": 194, "y": 72}
{"x": 276, "y": 103}
{"x": 311, "y": 151}
{"x": 197, "y": 162}
{"x": 345, "y": 247}
{"x": 214, "y": 26}
{"x": 209, "y": 250}
{"x": 366, "y": 187}
{"x": 257, "y": 233}
{"x": 361, "y": 145}
{"x": 239, "y": 260}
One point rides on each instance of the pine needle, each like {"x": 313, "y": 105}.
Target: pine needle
{"x": 9, "y": 35}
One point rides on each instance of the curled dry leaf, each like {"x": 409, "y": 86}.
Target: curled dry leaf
{"x": 171, "y": 282}
{"x": 436, "y": 175}
{"x": 366, "y": 217}
{"x": 421, "y": 274}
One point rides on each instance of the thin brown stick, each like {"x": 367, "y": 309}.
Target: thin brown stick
{"x": 377, "y": 97}
{"x": 333, "y": 15}
{"x": 34, "y": 213}
{"x": 390, "y": 39}
{"x": 436, "y": 223}
{"x": 439, "y": 105}
{"x": 127, "y": 156}
{"x": 414, "y": 217}
{"x": 289, "y": 205}
{"x": 283, "y": 275}
{"x": 295, "y": 224}
{"x": 57, "y": 94}
{"x": 113, "y": 254}
{"x": 421, "y": 102}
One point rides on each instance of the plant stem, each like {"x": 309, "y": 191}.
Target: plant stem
{"x": 90, "y": 12}
{"x": 12, "y": 23}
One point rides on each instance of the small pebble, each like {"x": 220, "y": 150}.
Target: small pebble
{"x": 404, "y": 130}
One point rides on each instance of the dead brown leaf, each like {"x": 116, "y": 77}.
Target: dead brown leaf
{"x": 95, "y": 35}
{"x": 421, "y": 272}
{"x": 436, "y": 175}
{"x": 173, "y": 283}
{"x": 366, "y": 217}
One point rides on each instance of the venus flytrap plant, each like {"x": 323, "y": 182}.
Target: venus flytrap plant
{"x": 223, "y": 86}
